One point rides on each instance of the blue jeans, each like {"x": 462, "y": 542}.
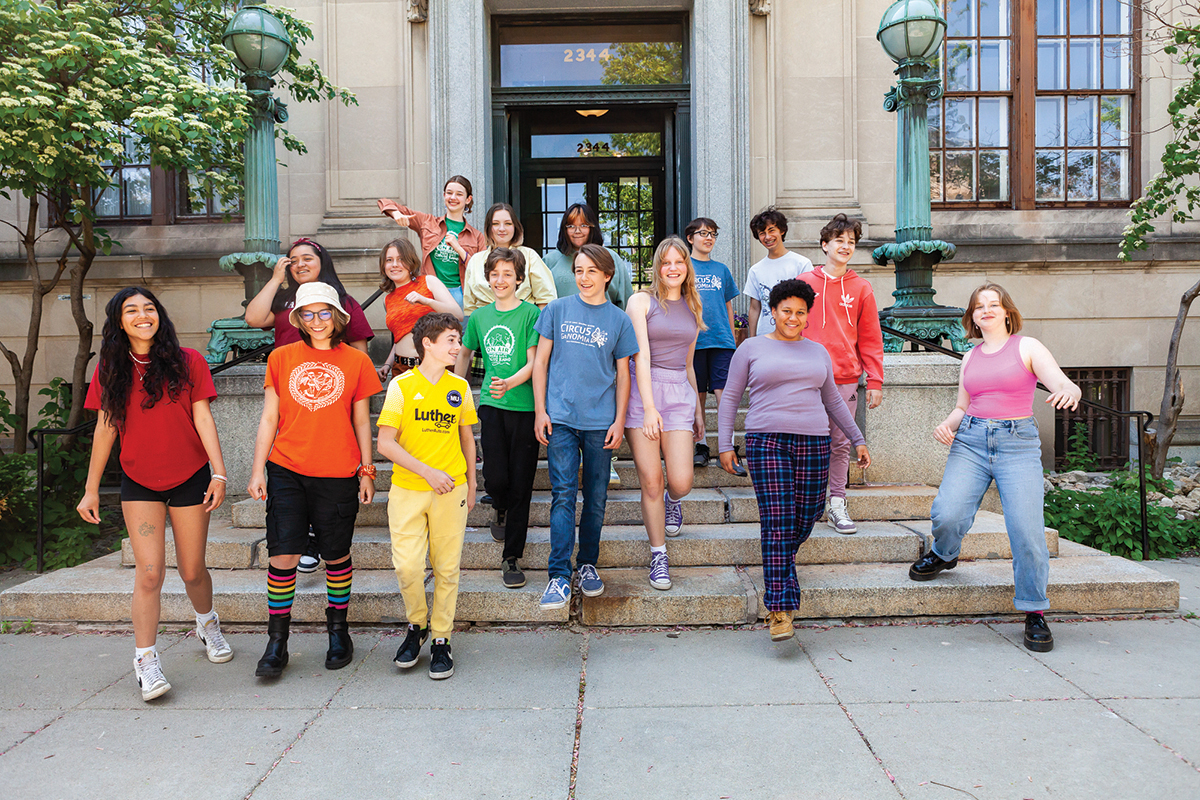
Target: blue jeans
{"x": 457, "y": 293}
{"x": 1009, "y": 452}
{"x": 567, "y": 444}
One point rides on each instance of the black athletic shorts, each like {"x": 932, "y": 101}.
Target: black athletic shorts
{"x": 189, "y": 493}
{"x": 295, "y": 502}
{"x": 712, "y": 368}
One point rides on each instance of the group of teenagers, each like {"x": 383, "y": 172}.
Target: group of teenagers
{"x": 573, "y": 360}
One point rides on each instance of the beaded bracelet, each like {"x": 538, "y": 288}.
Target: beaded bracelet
{"x": 220, "y": 478}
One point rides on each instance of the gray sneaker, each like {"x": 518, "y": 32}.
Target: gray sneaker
{"x": 838, "y": 517}
{"x": 589, "y": 581}
{"x": 209, "y": 634}
{"x": 150, "y": 677}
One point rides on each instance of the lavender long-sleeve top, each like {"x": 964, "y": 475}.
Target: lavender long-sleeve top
{"x": 791, "y": 391}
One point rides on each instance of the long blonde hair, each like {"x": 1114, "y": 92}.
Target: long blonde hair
{"x": 687, "y": 292}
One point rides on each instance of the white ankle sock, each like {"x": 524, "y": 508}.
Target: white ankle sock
{"x": 662, "y": 549}
{"x": 138, "y": 652}
{"x": 204, "y": 619}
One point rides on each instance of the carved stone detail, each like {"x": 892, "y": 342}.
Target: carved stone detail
{"x": 760, "y": 8}
{"x": 418, "y": 10}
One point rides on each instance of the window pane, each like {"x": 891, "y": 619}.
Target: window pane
{"x": 960, "y": 18}
{"x": 993, "y": 122}
{"x": 614, "y": 55}
{"x": 1051, "y": 18}
{"x": 935, "y": 176}
{"x": 1117, "y": 15}
{"x": 1085, "y": 17}
{"x": 960, "y": 123}
{"x": 1114, "y": 121}
{"x": 934, "y": 117}
{"x": 1049, "y": 122}
{"x": 109, "y": 204}
{"x": 1117, "y": 60}
{"x": 1085, "y": 64}
{"x": 994, "y": 69}
{"x": 1048, "y": 167}
{"x": 137, "y": 191}
{"x": 191, "y": 203}
{"x": 993, "y": 17}
{"x": 960, "y": 67}
{"x": 960, "y": 176}
{"x": 1081, "y": 175}
{"x": 1081, "y": 121}
{"x": 1114, "y": 175}
{"x": 1052, "y": 66}
{"x": 993, "y": 175}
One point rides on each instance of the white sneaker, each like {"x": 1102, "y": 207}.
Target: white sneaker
{"x": 150, "y": 677}
{"x": 838, "y": 517}
{"x": 213, "y": 640}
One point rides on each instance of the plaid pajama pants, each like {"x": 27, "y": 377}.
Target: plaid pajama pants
{"x": 790, "y": 472}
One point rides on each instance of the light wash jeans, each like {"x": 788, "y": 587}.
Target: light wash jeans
{"x": 457, "y": 293}
{"x": 1009, "y": 452}
{"x": 563, "y": 454}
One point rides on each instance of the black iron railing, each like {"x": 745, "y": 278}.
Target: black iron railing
{"x": 37, "y": 437}
{"x": 1144, "y": 418}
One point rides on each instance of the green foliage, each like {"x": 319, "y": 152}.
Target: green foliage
{"x": 1079, "y": 453}
{"x": 88, "y": 86}
{"x": 1110, "y": 520}
{"x": 8, "y": 626}
{"x": 1173, "y": 191}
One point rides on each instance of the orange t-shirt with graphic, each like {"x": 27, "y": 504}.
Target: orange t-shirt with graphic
{"x": 317, "y": 390}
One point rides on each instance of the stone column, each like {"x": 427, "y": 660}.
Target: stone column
{"x": 721, "y": 115}
{"x": 919, "y": 391}
{"x": 460, "y": 97}
{"x": 237, "y": 409}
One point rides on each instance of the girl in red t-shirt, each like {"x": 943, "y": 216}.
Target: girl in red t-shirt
{"x": 153, "y": 395}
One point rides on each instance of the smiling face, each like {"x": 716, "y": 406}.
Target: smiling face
{"x": 703, "y": 242}
{"x": 840, "y": 249}
{"x": 395, "y": 268}
{"x": 306, "y": 264}
{"x": 989, "y": 314}
{"x": 502, "y": 229}
{"x": 673, "y": 269}
{"x": 444, "y": 349}
{"x": 770, "y": 236}
{"x": 579, "y": 230}
{"x": 319, "y": 330}
{"x": 503, "y": 279}
{"x": 139, "y": 320}
{"x": 590, "y": 279}
{"x": 791, "y": 316}
{"x": 455, "y": 197}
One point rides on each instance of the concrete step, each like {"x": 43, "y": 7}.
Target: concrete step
{"x": 622, "y": 452}
{"x": 710, "y": 404}
{"x": 1086, "y": 582}
{"x": 864, "y": 502}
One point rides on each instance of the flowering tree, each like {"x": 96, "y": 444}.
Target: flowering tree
{"x": 88, "y": 86}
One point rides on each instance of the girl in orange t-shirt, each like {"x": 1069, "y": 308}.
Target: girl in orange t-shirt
{"x": 316, "y": 430}
{"x": 409, "y": 297}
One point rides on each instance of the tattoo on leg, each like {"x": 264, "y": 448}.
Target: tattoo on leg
{"x": 145, "y": 529}
{"x": 149, "y": 568}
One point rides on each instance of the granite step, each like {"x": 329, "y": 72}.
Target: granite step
{"x": 622, "y": 451}
{"x": 1085, "y": 582}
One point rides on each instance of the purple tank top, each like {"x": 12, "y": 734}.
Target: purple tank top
{"x": 998, "y": 383}
{"x": 671, "y": 332}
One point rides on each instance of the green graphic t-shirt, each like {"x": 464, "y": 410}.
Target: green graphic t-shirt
{"x": 502, "y": 339}
{"x": 445, "y": 260}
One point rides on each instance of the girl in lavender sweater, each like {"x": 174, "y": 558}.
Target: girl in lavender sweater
{"x": 793, "y": 398}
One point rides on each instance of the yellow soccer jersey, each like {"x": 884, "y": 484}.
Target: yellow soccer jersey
{"x": 427, "y": 417}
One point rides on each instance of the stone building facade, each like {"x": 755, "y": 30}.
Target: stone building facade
{"x": 661, "y": 111}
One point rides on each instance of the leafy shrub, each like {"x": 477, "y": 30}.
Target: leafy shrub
{"x": 1079, "y": 453}
{"x": 1110, "y": 520}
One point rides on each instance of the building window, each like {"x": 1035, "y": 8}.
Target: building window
{"x": 192, "y": 205}
{"x": 1106, "y": 435}
{"x": 1039, "y": 104}
{"x": 130, "y": 199}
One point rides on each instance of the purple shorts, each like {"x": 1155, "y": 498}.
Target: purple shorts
{"x": 674, "y": 398}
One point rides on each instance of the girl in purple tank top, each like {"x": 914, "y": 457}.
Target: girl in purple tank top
{"x": 664, "y": 418}
{"x": 993, "y": 437}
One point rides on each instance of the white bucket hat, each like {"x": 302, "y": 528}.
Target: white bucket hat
{"x": 317, "y": 292}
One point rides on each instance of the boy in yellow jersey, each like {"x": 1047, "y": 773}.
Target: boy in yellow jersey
{"x": 425, "y": 430}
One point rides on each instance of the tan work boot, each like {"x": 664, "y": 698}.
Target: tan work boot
{"x": 781, "y": 625}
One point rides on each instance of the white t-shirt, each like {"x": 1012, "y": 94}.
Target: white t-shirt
{"x": 763, "y": 276}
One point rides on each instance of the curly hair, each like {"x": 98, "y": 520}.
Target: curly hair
{"x": 168, "y": 370}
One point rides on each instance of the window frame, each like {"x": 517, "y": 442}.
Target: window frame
{"x": 1023, "y": 96}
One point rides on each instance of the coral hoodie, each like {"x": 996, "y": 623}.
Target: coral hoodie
{"x": 845, "y": 319}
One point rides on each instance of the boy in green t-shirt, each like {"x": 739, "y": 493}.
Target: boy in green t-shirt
{"x": 503, "y": 333}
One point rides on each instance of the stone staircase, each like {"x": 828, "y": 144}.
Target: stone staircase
{"x": 715, "y": 566}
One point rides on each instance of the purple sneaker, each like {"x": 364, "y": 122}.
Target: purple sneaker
{"x": 674, "y": 514}
{"x": 660, "y": 574}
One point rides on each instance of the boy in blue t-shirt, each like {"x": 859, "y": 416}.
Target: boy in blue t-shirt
{"x": 585, "y": 344}
{"x": 714, "y": 348}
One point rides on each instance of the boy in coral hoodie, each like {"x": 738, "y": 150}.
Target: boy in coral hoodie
{"x": 845, "y": 319}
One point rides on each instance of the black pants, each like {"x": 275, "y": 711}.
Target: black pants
{"x": 510, "y": 453}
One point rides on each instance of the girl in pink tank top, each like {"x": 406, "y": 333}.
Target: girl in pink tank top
{"x": 993, "y": 437}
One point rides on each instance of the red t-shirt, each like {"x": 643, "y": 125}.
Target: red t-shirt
{"x": 358, "y": 329}
{"x": 317, "y": 390}
{"x": 160, "y": 447}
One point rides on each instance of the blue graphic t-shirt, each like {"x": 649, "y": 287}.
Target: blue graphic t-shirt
{"x": 581, "y": 390}
{"x": 715, "y": 283}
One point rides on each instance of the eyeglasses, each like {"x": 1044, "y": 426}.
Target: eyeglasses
{"x": 578, "y": 228}
{"x": 308, "y": 315}
{"x": 706, "y": 234}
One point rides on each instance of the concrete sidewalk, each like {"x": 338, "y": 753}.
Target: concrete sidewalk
{"x": 888, "y": 711}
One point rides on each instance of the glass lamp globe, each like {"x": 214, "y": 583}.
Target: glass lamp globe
{"x": 911, "y": 29}
{"x": 259, "y": 41}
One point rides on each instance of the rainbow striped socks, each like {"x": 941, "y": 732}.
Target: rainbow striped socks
{"x": 338, "y": 578}
{"x": 281, "y": 590}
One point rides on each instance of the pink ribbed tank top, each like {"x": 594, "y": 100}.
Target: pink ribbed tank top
{"x": 998, "y": 383}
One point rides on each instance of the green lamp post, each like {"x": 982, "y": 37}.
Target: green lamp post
{"x": 260, "y": 45}
{"x": 911, "y": 32}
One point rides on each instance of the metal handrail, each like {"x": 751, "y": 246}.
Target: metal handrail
{"x": 1144, "y": 418}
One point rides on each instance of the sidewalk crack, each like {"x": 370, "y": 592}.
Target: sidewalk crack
{"x": 587, "y": 638}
